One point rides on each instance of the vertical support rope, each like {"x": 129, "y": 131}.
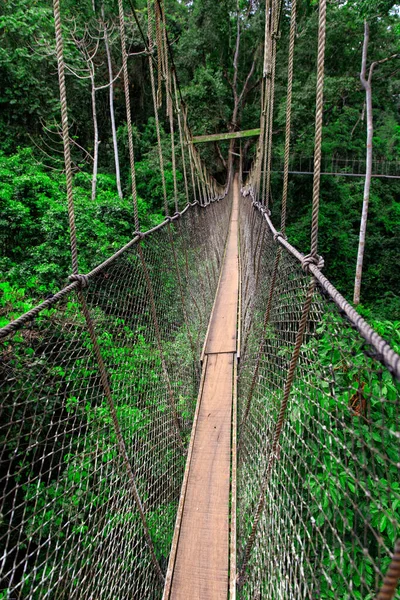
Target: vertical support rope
{"x": 178, "y": 112}
{"x": 65, "y": 135}
{"x": 270, "y": 118}
{"x": 155, "y": 103}
{"x": 128, "y": 111}
{"x": 118, "y": 433}
{"x": 318, "y": 126}
{"x": 288, "y": 115}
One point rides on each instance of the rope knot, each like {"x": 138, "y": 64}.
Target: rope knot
{"x": 177, "y": 214}
{"x": 279, "y": 234}
{"x": 83, "y": 280}
{"x": 265, "y": 210}
{"x": 138, "y": 234}
{"x": 168, "y": 218}
{"x": 311, "y": 259}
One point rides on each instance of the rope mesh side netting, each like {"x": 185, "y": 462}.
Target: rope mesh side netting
{"x": 99, "y": 385}
{"x": 74, "y": 461}
{"x": 331, "y": 481}
{"x": 318, "y": 506}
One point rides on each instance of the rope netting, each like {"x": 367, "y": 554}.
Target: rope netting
{"x": 332, "y": 495}
{"x": 88, "y": 476}
{"x": 99, "y": 387}
{"x": 318, "y": 490}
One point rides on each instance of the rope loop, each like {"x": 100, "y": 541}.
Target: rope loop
{"x": 311, "y": 259}
{"x": 265, "y": 211}
{"x": 279, "y": 234}
{"x": 83, "y": 280}
{"x": 169, "y": 218}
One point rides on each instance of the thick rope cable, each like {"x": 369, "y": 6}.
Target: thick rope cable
{"x": 178, "y": 112}
{"x": 170, "y": 233}
{"x": 128, "y": 112}
{"x": 65, "y": 135}
{"x": 156, "y": 104}
{"x": 292, "y": 36}
{"x": 160, "y": 55}
{"x": 268, "y": 153}
{"x": 169, "y": 99}
{"x": 318, "y": 127}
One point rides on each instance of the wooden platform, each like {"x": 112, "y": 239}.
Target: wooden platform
{"x": 199, "y": 562}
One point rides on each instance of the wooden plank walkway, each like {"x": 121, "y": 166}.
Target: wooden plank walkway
{"x": 199, "y": 561}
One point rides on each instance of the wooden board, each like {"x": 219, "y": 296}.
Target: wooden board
{"x": 222, "y": 334}
{"x": 214, "y": 137}
{"x": 202, "y": 558}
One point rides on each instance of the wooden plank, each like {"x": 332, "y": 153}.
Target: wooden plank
{"x": 222, "y": 332}
{"x": 178, "y": 522}
{"x": 232, "y": 541}
{"x": 202, "y": 561}
{"x": 219, "y": 137}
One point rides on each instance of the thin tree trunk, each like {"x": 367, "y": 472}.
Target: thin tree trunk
{"x": 96, "y": 140}
{"x": 366, "y": 83}
{"x": 112, "y": 114}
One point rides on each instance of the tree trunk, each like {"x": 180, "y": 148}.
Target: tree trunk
{"x": 366, "y": 83}
{"x": 96, "y": 140}
{"x": 112, "y": 114}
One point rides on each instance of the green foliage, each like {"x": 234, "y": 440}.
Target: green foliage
{"x": 34, "y": 233}
{"x": 351, "y": 444}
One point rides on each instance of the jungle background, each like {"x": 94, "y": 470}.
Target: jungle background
{"x": 35, "y": 258}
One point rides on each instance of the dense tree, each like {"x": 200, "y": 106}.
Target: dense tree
{"x": 217, "y": 49}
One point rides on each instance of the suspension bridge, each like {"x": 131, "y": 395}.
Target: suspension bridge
{"x": 203, "y": 415}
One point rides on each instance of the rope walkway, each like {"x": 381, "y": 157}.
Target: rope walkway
{"x": 282, "y": 479}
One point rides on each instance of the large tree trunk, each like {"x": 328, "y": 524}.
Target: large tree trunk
{"x": 112, "y": 113}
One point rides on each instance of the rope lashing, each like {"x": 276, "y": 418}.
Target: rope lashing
{"x": 311, "y": 259}
{"x": 83, "y": 280}
{"x": 278, "y": 235}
